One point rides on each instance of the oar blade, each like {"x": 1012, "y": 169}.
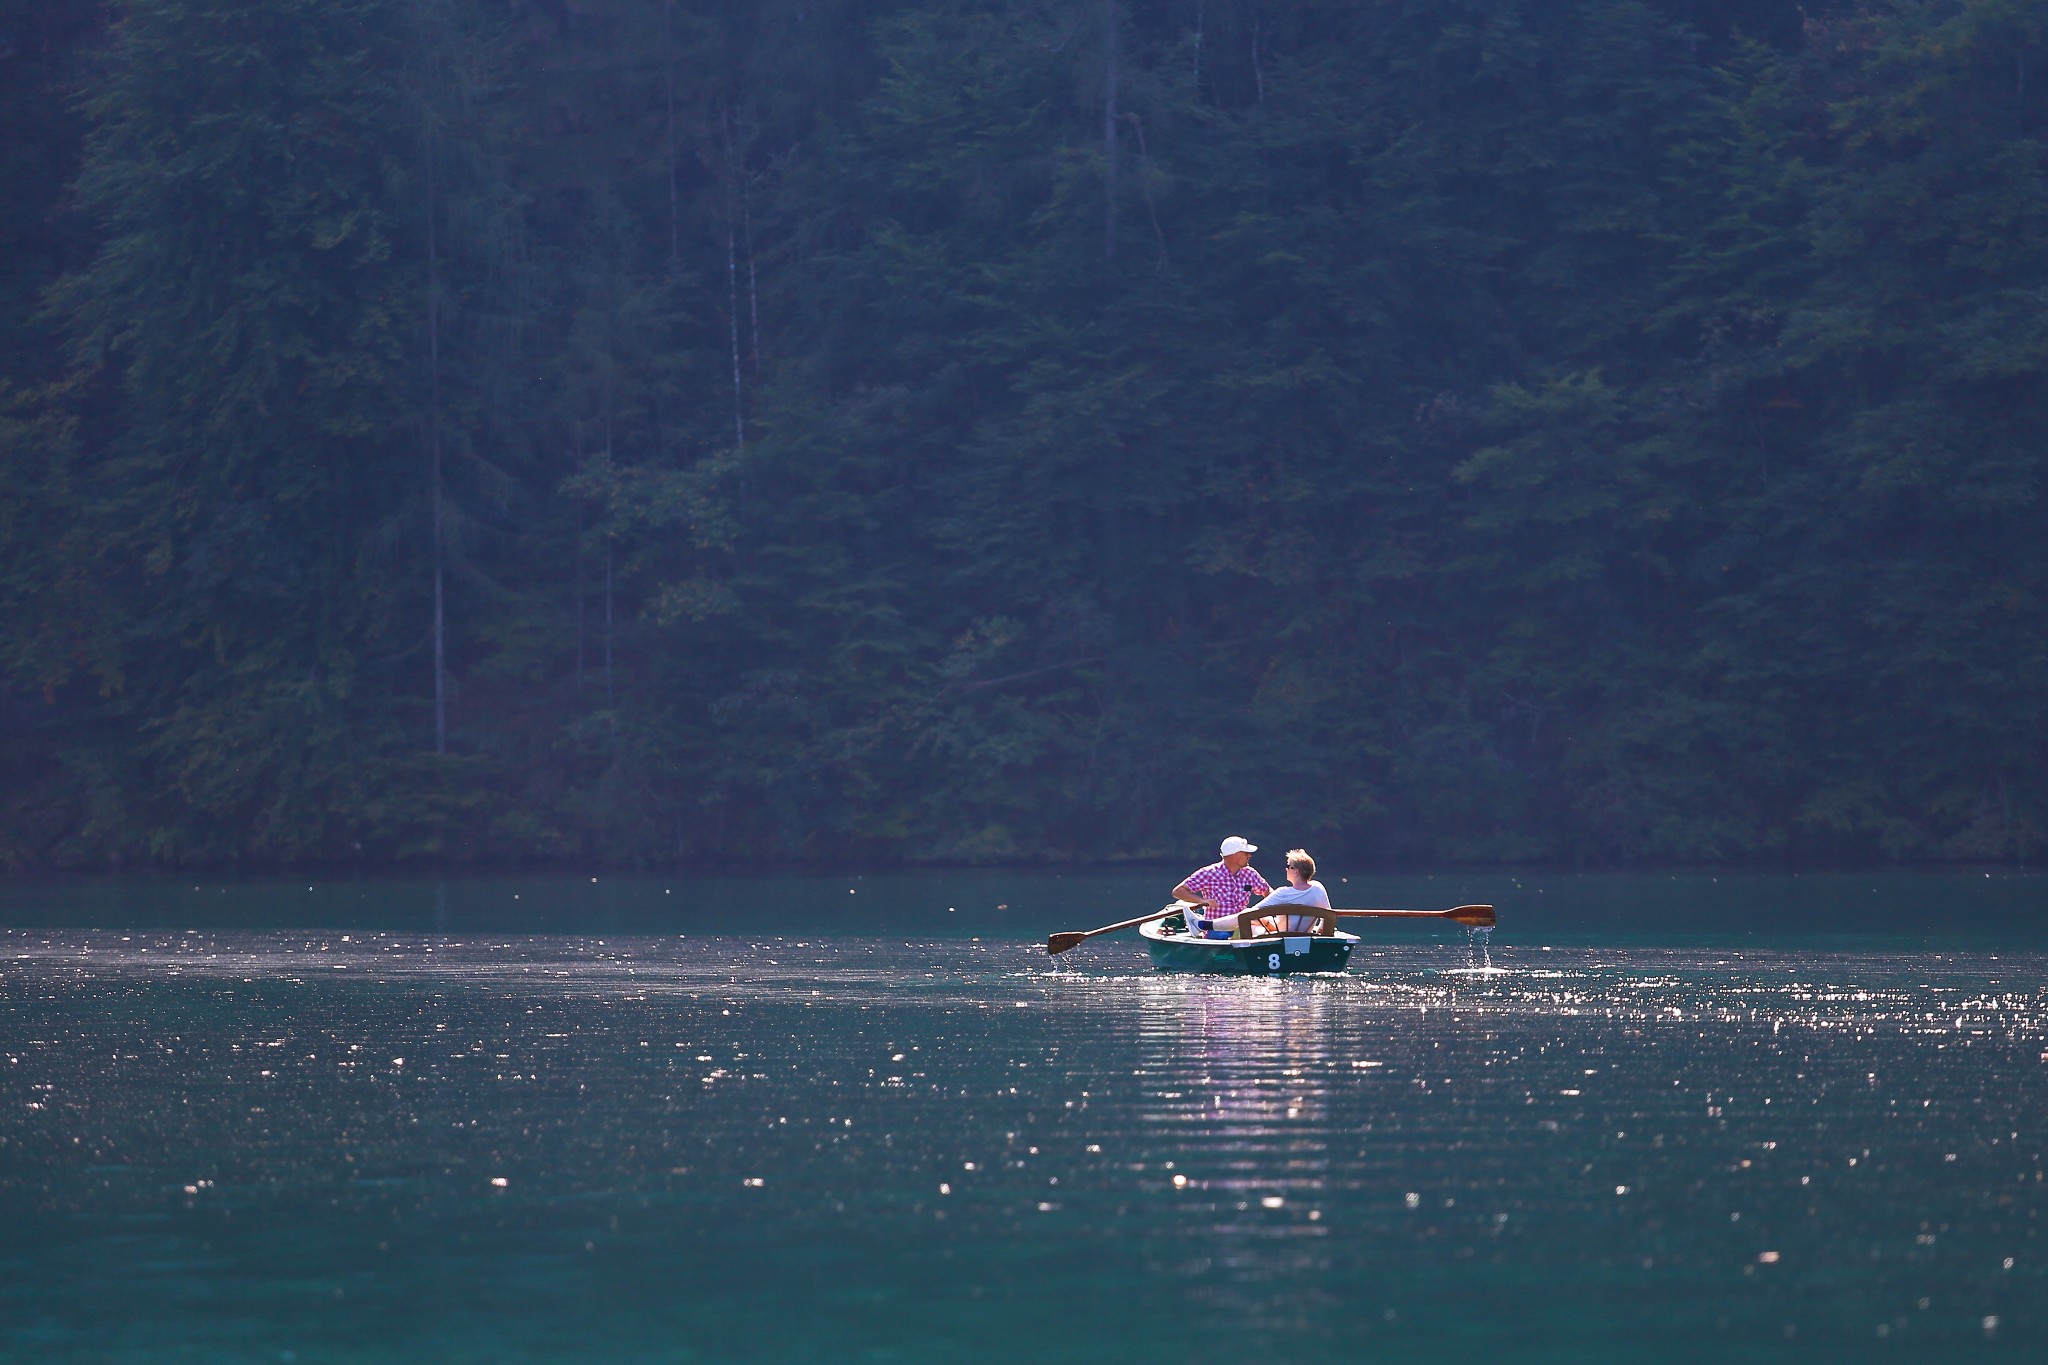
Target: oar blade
{"x": 1474, "y": 916}
{"x": 1059, "y": 943}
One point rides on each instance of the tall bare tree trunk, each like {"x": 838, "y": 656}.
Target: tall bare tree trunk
{"x": 732, "y": 278}
{"x": 1110, "y": 24}
{"x": 668, "y": 67}
{"x": 732, "y": 291}
{"x": 1258, "y": 37}
{"x": 1145, "y": 185}
{"x": 434, "y": 441}
{"x": 608, "y": 622}
{"x": 732, "y": 281}
{"x": 753, "y": 281}
{"x": 581, "y": 594}
{"x": 2019, "y": 93}
{"x": 610, "y": 366}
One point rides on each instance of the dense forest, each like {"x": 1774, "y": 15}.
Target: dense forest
{"x": 654, "y": 431}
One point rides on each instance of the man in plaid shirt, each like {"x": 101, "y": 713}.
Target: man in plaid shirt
{"x": 1226, "y": 887}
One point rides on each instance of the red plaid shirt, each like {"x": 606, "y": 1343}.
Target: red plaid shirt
{"x": 1232, "y": 891}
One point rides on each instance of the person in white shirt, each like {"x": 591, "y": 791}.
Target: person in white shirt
{"x": 1302, "y": 889}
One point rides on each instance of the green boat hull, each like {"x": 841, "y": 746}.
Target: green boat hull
{"x": 1287, "y": 955}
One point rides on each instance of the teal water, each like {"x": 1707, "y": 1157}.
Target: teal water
{"x": 1789, "y": 1119}
{"x": 1830, "y": 909}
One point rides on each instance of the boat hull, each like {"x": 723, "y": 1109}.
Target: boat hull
{"x": 1279, "y": 955}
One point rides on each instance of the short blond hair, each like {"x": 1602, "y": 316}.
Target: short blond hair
{"x": 1298, "y": 857}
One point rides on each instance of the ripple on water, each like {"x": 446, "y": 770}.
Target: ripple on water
{"x": 398, "y": 1146}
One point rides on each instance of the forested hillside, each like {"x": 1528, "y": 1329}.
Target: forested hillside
{"x": 643, "y": 431}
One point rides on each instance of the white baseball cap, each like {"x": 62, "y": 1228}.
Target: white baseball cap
{"x": 1237, "y": 843}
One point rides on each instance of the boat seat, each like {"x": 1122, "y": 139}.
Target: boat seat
{"x": 1288, "y": 924}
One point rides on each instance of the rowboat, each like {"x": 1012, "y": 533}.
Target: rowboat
{"x": 1165, "y": 933}
{"x": 1279, "y": 955}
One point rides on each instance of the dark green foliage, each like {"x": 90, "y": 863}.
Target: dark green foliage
{"x": 1582, "y": 430}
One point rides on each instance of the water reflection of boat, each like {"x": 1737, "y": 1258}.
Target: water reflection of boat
{"x": 1278, "y": 955}
{"x": 1235, "y": 1097}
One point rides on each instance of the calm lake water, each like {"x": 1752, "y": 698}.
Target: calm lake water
{"x": 1681, "y": 1118}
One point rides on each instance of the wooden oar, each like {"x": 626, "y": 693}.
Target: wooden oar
{"x": 1471, "y": 916}
{"x": 1060, "y": 942}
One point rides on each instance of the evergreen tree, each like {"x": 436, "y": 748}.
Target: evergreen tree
{"x": 966, "y": 429}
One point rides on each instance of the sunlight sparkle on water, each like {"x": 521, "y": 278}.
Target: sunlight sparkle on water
{"x": 400, "y": 1145}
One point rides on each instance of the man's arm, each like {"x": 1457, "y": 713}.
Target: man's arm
{"x": 1199, "y": 887}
